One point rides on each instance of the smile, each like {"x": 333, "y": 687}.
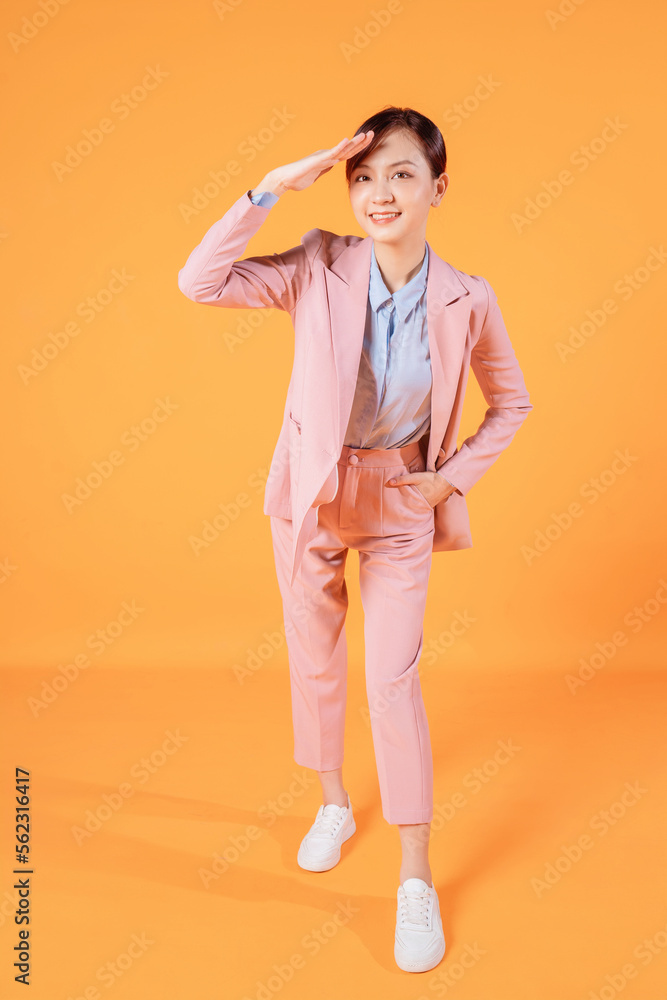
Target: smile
{"x": 384, "y": 216}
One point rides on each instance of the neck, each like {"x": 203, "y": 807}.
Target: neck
{"x": 399, "y": 262}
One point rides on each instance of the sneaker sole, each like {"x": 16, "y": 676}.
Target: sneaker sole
{"x": 408, "y": 966}
{"x": 322, "y": 866}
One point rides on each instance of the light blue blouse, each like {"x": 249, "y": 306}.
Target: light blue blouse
{"x": 392, "y": 401}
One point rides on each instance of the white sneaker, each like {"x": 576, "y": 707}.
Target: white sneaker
{"x": 320, "y": 848}
{"x": 420, "y": 942}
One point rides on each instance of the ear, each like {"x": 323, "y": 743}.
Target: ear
{"x": 441, "y": 185}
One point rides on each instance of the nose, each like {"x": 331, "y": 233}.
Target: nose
{"x": 382, "y": 197}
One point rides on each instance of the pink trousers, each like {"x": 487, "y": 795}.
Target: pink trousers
{"x": 392, "y": 529}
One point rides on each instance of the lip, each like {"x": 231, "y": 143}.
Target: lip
{"x": 384, "y": 222}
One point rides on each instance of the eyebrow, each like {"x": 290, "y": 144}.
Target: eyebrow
{"x": 397, "y": 164}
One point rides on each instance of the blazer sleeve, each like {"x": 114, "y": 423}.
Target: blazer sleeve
{"x": 213, "y": 274}
{"x": 500, "y": 378}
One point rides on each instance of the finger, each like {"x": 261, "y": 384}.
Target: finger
{"x": 329, "y": 155}
{"x": 341, "y": 151}
{"x": 350, "y": 146}
{"x": 359, "y": 137}
{"x": 359, "y": 140}
{"x": 340, "y": 145}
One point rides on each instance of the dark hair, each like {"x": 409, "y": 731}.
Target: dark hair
{"x": 392, "y": 119}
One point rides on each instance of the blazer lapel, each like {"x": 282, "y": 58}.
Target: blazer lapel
{"x": 347, "y": 289}
{"x": 448, "y": 304}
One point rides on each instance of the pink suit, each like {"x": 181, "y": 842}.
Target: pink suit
{"x": 321, "y": 502}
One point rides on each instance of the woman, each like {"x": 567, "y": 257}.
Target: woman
{"x": 367, "y": 459}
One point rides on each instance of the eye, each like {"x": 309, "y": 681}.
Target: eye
{"x": 361, "y": 177}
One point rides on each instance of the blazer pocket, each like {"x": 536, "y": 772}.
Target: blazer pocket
{"x": 295, "y": 421}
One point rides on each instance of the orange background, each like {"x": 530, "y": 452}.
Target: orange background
{"x": 203, "y": 654}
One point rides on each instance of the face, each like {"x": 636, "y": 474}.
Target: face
{"x": 385, "y": 184}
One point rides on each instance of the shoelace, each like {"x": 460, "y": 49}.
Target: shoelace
{"x": 329, "y": 821}
{"x": 414, "y": 908}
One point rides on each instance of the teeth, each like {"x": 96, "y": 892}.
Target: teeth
{"x": 384, "y": 215}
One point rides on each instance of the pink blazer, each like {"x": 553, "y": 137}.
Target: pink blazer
{"x": 323, "y": 285}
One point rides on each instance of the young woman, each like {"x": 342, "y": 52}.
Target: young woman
{"x": 367, "y": 458}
